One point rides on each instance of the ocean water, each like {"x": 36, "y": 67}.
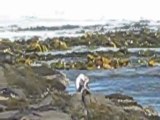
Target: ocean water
{"x": 10, "y": 28}
{"x": 142, "y": 83}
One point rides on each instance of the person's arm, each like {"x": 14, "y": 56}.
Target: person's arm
{"x": 86, "y": 83}
{"x": 77, "y": 83}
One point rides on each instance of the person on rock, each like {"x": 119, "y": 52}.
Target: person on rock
{"x": 82, "y": 83}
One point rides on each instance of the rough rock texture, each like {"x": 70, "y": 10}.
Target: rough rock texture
{"x": 27, "y": 115}
{"x": 99, "y": 107}
{"x": 24, "y": 83}
{"x": 38, "y": 93}
{"x": 22, "y": 76}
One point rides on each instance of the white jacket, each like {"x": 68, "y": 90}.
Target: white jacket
{"x": 81, "y": 82}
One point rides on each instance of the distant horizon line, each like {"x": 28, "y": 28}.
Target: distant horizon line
{"x": 73, "y": 19}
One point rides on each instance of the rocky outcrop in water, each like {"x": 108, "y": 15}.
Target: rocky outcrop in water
{"x": 66, "y": 56}
{"x": 110, "y": 107}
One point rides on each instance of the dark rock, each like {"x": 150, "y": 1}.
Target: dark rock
{"x": 97, "y": 107}
{"x": 33, "y": 115}
{"x": 118, "y": 96}
{"x": 7, "y": 92}
{"x": 50, "y": 115}
{"x": 7, "y": 58}
{"x": 26, "y": 114}
{"x": 7, "y": 115}
{"x": 124, "y": 101}
{"x": 45, "y": 105}
{"x": 56, "y": 79}
{"x": 21, "y": 82}
{"x": 2, "y": 108}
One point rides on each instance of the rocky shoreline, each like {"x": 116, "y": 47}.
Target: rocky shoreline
{"x": 39, "y": 93}
{"x": 119, "y": 43}
{"x": 32, "y": 88}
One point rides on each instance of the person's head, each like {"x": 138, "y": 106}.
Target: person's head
{"x": 84, "y": 77}
{"x": 81, "y": 75}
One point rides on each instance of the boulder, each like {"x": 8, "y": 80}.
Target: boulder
{"x": 7, "y": 58}
{"x": 7, "y": 115}
{"x": 56, "y": 79}
{"x": 34, "y": 115}
{"x": 110, "y": 107}
{"x": 29, "y": 83}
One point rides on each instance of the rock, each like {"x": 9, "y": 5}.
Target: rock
{"x": 8, "y": 92}
{"x": 5, "y": 44}
{"x": 150, "y": 111}
{"x": 118, "y": 96}
{"x": 131, "y": 106}
{"x": 76, "y": 107}
{"x": 124, "y": 101}
{"x": 21, "y": 84}
{"x": 3, "y": 81}
{"x": 110, "y": 107}
{"x": 95, "y": 107}
{"x": 50, "y": 115}
{"x": 55, "y": 78}
{"x": 123, "y": 50}
{"x": 46, "y": 101}
{"x": 60, "y": 100}
{"x": 7, "y": 58}
{"x": 34, "y": 115}
{"x": 7, "y": 115}
{"x": 25, "y": 78}
{"x": 2, "y": 108}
